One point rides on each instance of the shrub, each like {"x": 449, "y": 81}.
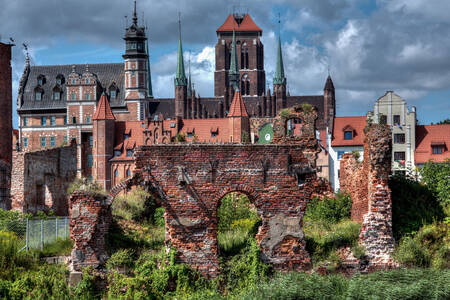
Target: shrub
{"x": 136, "y": 205}
{"x": 437, "y": 177}
{"x": 59, "y": 247}
{"x": 329, "y": 210}
{"x": 180, "y": 137}
{"x": 158, "y": 217}
{"x": 121, "y": 258}
{"x": 13, "y": 221}
{"x": 413, "y": 205}
{"x": 428, "y": 247}
{"x": 234, "y": 207}
{"x": 11, "y": 259}
{"x": 359, "y": 251}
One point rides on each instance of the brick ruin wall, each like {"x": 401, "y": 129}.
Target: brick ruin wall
{"x": 90, "y": 218}
{"x": 191, "y": 179}
{"x": 40, "y": 180}
{"x": 367, "y": 183}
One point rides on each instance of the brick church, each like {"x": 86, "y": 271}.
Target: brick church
{"x": 108, "y": 109}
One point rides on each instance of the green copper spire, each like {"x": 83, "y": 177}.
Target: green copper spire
{"x": 150, "y": 89}
{"x": 279, "y": 71}
{"x": 234, "y": 72}
{"x": 180, "y": 78}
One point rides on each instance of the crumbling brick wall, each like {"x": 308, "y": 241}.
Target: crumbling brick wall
{"x": 90, "y": 219}
{"x": 367, "y": 183}
{"x": 192, "y": 179}
{"x": 40, "y": 179}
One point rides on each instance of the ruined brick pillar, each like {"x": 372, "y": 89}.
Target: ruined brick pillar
{"x": 90, "y": 219}
{"x": 367, "y": 184}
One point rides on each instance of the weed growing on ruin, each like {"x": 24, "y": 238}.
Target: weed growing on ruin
{"x": 329, "y": 210}
{"x": 86, "y": 185}
{"x": 136, "y": 205}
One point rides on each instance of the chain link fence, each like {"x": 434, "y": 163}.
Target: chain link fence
{"x": 37, "y": 233}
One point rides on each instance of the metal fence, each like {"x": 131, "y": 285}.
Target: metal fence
{"x": 37, "y": 233}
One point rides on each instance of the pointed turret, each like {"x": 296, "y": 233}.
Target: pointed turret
{"x": 279, "y": 71}
{"x": 233, "y": 74}
{"x": 237, "y": 107}
{"x": 180, "y": 81}
{"x": 103, "y": 111}
{"x": 103, "y": 148}
{"x": 180, "y": 77}
{"x": 279, "y": 80}
{"x": 239, "y": 119}
{"x": 329, "y": 102}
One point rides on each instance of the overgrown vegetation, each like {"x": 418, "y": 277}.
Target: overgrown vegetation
{"x": 87, "y": 185}
{"x": 327, "y": 227}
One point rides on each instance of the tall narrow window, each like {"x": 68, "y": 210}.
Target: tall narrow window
{"x": 246, "y": 58}
{"x": 74, "y": 120}
{"x": 247, "y": 87}
{"x": 52, "y": 120}
{"x": 74, "y": 96}
{"x": 52, "y": 141}
{"x": 113, "y": 94}
{"x": 25, "y": 121}
{"x": 87, "y": 96}
{"x": 56, "y": 95}
{"x": 25, "y": 142}
{"x": 90, "y": 161}
{"x": 242, "y": 59}
{"x": 128, "y": 173}
{"x": 43, "y": 121}
{"x": 88, "y": 120}
{"x": 91, "y": 140}
{"x": 43, "y": 142}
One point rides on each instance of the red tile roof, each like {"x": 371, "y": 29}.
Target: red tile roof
{"x": 237, "y": 107}
{"x": 432, "y": 135}
{"x": 103, "y": 111}
{"x": 203, "y": 129}
{"x": 355, "y": 124}
{"x": 247, "y": 24}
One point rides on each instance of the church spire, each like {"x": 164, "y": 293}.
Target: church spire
{"x": 180, "y": 78}
{"x": 234, "y": 72}
{"x": 279, "y": 70}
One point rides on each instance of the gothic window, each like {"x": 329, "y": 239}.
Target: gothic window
{"x": 128, "y": 173}
{"x": 245, "y": 85}
{"x": 52, "y": 141}
{"x": 43, "y": 142}
{"x": 116, "y": 173}
{"x": 242, "y": 59}
{"x": 74, "y": 120}
{"x": 246, "y": 58}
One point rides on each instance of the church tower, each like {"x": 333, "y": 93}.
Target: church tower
{"x": 250, "y": 56}
{"x": 136, "y": 69}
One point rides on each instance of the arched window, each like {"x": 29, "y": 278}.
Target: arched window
{"x": 128, "y": 173}
{"x": 245, "y": 85}
{"x": 246, "y": 58}
{"x": 242, "y": 59}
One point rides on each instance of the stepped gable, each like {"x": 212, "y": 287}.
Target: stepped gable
{"x": 103, "y": 111}
{"x": 237, "y": 108}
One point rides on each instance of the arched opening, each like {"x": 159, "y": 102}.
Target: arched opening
{"x": 238, "y": 223}
{"x": 138, "y": 223}
{"x": 294, "y": 127}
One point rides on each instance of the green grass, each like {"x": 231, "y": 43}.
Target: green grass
{"x": 62, "y": 247}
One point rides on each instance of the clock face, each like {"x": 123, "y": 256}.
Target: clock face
{"x": 265, "y": 134}
{"x": 267, "y": 137}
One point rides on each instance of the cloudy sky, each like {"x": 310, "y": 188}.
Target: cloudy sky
{"x": 370, "y": 46}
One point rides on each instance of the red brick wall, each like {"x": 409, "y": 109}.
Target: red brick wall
{"x": 90, "y": 218}
{"x": 192, "y": 179}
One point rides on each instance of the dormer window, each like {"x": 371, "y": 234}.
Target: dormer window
{"x": 113, "y": 94}
{"x": 348, "y": 135}
{"x": 57, "y": 93}
{"x": 129, "y": 153}
{"x": 60, "y": 79}
{"x": 117, "y": 153}
{"x": 437, "y": 149}
{"x": 41, "y": 80}
{"x": 38, "y": 92}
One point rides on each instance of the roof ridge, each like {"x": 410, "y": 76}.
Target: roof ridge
{"x": 103, "y": 111}
{"x": 237, "y": 107}
{"x": 70, "y": 65}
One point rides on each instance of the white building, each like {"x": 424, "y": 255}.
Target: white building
{"x": 392, "y": 108}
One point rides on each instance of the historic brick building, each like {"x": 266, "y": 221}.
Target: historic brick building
{"x": 5, "y": 123}
{"x": 58, "y": 104}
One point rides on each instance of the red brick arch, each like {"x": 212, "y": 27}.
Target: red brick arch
{"x": 241, "y": 188}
